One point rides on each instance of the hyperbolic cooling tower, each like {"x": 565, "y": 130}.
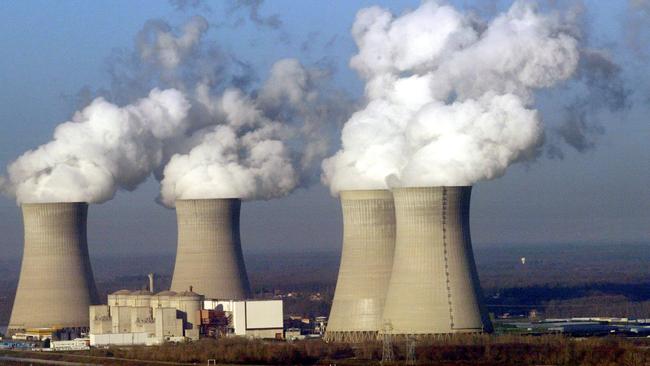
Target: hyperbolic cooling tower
{"x": 434, "y": 286}
{"x": 56, "y": 284}
{"x": 366, "y": 262}
{"x": 209, "y": 256}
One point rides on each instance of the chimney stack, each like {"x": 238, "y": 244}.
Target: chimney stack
{"x": 151, "y": 289}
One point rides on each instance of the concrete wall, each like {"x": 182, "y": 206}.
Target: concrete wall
{"x": 167, "y": 324}
{"x": 121, "y": 317}
{"x": 434, "y": 286}
{"x": 366, "y": 262}
{"x": 56, "y": 284}
{"x": 190, "y": 304}
{"x": 119, "y": 339}
{"x": 264, "y": 314}
{"x": 275, "y": 333}
{"x": 209, "y": 256}
{"x": 100, "y": 319}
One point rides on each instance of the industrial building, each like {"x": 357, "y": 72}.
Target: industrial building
{"x": 56, "y": 283}
{"x": 143, "y": 318}
{"x": 209, "y": 255}
{"x": 249, "y": 318}
{"x": 366, "y": 263}
{"x": 140, "y": 317}
{"x": 434, "y": 286}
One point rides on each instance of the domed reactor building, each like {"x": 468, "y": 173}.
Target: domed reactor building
{"x": 56, "y": 284}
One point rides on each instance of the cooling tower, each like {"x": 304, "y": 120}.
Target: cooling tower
{"x": 366, "y": 262}
{"x": 56, "y": 284}
{"x": 209, "y": 256}
{"x": 434, "y": 286}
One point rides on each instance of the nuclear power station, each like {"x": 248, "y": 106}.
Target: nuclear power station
{"x": 366, "y": 263}
{"x": 209, "y": 256}
{"x": 407, "y": 267}
{"x": 434, "y": 286}
{"x": 56, "y": 284}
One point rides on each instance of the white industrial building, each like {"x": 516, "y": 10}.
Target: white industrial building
{"x": 140, "y": 317}
{"x": 252, "y": 318}
{"x": 78, "y": 344}
{"x": 143, "y": 318}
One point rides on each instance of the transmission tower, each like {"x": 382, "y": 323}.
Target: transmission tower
{"x": 410, "y": 350}
{"x": 387, "y": 340}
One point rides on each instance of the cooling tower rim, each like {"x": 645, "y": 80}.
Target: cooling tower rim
{"x": 52, "y": 203}
{"x": 365, "y": 194}
{"x": 372, "y": 190}
{"x": 427, "y": 187}
{"x": 209, "y": 199}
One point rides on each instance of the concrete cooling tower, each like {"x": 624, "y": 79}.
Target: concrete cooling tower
{"x": 56, "y": 284}
{"x": 366, "y": 262}
{"x": 434, "y": 286}
{"x": 209, "y": 256}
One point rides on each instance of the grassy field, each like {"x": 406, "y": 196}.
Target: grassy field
{"x": 465, "y": 350}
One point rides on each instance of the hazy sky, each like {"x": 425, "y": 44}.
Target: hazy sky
{"x": 52, "y": 50}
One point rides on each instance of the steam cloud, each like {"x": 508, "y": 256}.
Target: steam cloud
{"x": 104, "y": 147}
{"x": 206, "y": 135}
{"x": 261, "y": 147}
{"x": 450, "y": 98}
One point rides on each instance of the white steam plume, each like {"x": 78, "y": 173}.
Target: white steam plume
{"x": 449, "y": 97}
{"x": 258, "y": 146}
{"x": 209, "y": 135}
{"x": 104, "y": 148}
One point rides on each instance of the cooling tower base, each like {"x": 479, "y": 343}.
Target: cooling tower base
{"x": 350, "y": 337}
{"x": 423, "y": 336}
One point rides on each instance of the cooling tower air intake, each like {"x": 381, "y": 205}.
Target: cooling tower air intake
{"x": 209, "y": 255}
{"x": 434, "y": 286}
{"x": 366, "y": 262}
{"x": 56, "y": 284}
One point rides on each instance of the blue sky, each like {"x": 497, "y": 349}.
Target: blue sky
{"x": 50, "y": 50}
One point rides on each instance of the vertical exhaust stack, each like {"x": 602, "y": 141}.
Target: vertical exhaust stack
{"x": 151, "y": 288}
{"x": 56, "y": 284}
{"x": 434, "y": 286}
{"x": 209, "y": 255}
{"x": 366, "y": 262}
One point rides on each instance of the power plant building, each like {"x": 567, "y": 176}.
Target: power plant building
{"x": 366, "y": 264}
{"x": 434, "y": 286}
{"x": 251, "y": 318}
{"x": 140, "y": 317}
{"x": 209, "y": 255}
{"x": 56, "y": 283}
